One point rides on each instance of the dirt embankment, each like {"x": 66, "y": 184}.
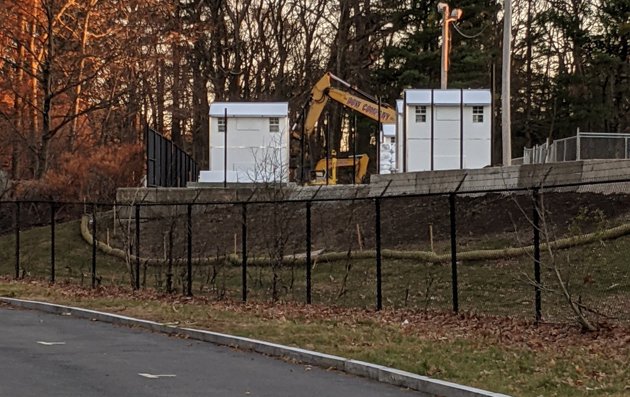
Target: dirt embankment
{"x": 494, "y": 221}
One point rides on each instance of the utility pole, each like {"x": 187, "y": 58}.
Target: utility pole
{"x": 506, "y": 133}
{"x": 447, "y": 18}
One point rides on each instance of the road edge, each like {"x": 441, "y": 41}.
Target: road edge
{"x": 428, "y": 386}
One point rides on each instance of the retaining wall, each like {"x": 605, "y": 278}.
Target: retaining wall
{"x": 477, "y": 180}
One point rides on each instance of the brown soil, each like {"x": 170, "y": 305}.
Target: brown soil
{"x": 280, "y": 229}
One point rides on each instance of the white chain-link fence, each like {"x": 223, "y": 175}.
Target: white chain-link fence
{"x": 583, "y": 146}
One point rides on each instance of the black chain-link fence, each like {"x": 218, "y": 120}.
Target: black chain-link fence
{"x": 550, "y": 254}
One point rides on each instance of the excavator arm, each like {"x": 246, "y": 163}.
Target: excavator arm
{"x": 362, "y": 103}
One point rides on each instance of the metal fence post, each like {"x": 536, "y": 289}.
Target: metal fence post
{"x": 536, "y": 221}
{"x": 244, "y": 251}
{"x": 169, "y": 272}
{"x": 302, "y": 146}
{"x": 94, "y": 240}
{"x": 308, "y": 252}
{"x": 379, "y": 132}
{"x": 354, "y": 151}
{"x": 578, "y": 148}
{"x": 189, "y": 251}
{"x": 452, "y": 210}
{"x": 52, "y": 242}
{"x": 17, "y": 239}
{"x": 377, "y": 226}
{"x": 137, "y": 284}
{"x": 225, "y": 147}
{"x": 327, "y": 173}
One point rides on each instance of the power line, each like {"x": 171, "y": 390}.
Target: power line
{"x": 470, "y": 36}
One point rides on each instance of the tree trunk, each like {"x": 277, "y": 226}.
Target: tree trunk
{"x": 18, "y": 106}
{"x": 47, "y": 76}
{"x": 200, "y": 130}
{"x": 76, "y": 105}
{"x": 33, "y": 97}
{"x": 160, "y": 94}
{"x": 176, "y": 126}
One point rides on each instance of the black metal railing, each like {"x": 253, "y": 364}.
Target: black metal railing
{"x": 495, "y": 253}
{"x": 167, "y": 164}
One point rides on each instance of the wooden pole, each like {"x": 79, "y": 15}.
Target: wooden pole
{"x": 359, "y": 237}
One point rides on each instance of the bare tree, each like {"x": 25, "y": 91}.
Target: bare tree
{"x": 575, "y": 304}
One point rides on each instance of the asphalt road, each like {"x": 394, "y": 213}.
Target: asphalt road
{"x": 49, "y": 355}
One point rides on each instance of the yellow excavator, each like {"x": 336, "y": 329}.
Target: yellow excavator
{"x": 345, "y": 169}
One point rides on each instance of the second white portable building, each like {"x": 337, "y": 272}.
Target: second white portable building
{"x": 444, "y": 129}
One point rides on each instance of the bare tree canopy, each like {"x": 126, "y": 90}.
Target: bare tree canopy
{"x": 78, "y": 76}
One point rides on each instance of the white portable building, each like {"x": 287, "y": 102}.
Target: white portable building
{"x": 445, "y": 129}
{"x": 249, "y": 142}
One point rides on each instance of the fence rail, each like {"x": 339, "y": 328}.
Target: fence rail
{"x": 495, "y": 252}
{"x": 582, "y": 146}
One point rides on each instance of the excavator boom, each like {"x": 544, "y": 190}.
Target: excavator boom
{"x": 362, "y": 103}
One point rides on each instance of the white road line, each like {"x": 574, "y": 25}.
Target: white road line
{"x": 50, "y": 343}
{"x": 152, "y": 376}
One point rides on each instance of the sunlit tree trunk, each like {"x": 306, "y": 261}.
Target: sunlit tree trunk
{"x": 80, "y": 73}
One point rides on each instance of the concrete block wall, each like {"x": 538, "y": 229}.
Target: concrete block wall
{"x": 437, "y": 182}
{"x": 514, "y": 177}
{"x": 201, "y": 194}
